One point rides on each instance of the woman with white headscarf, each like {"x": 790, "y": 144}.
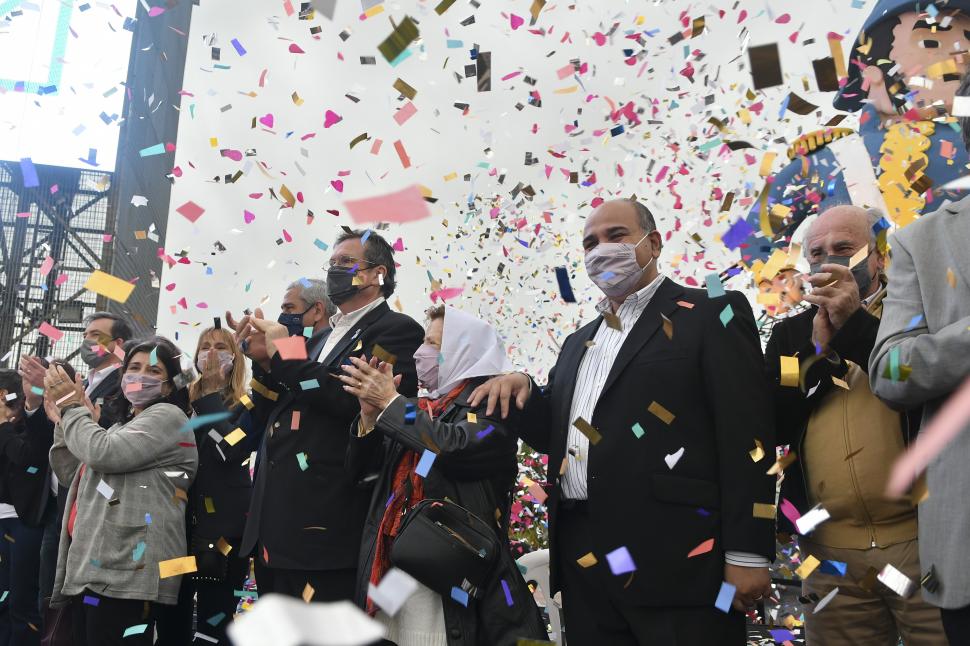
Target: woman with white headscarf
{"x": 474, "y": 466}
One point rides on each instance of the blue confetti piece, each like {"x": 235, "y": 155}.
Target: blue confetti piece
{"x": 835, "y": 568}
{"x": 308, "y": 331}
{"x": 454, "y": 44}
{"x": 203, "y": 420}
{"x": 37, "y": 390}
{"x": 29, "y": 173}
{"x": 508, "y": 593}
{"x": 726, "y": 315}
{"x": 607, "y": 275}
{"x": 31, "y": 470}
{"x": 638, "y": 430}
{"x": 459, "y": 595}
{"x": 737, "y": 234}
{"x": 565, "y": 289}
{"x": 139, "y": 551}
{"x": 216, "y": 619}
{"x": 482, "y": 434}
{"x": 913, "y": 322}
{"x": 91, "y": 601}
{"x": 620, "y": 561}
{"x": 703, "y": 512}
{"x": 301, "y": 458}
{"x": 410, "y": 413}
{"x": 403, "y": 56}
{"x": 157, "y": 149}
{"x": 424, "y": 464}
{"x": 880, "y": 226}
{"x": 715, "y": 287}
{"x": 309, "y": 384}
{"x": 780, "y": 635}
{"x": 238, "y": 46}
{"x": 894, "y": 363}
{"x": 148, "y": 519}
{"x": 135, "y": 630}
{"x": 616, "y": 131}
{"x": 725, "y": 596}
{"x": 323, "y": 246}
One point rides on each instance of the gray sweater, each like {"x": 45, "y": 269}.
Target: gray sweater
{"x": 128, "y": 514}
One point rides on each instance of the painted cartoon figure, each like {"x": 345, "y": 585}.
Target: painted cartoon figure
{"x": 902, "y": 73}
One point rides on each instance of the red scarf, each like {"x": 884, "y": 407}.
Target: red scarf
{"x": 407, "y": 490}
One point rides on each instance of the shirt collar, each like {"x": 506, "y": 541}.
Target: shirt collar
{"x": 637, "y": 299}
{"x": 352, "y": 317}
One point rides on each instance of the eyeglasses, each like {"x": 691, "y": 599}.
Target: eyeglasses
{"x": 346, "y": 261}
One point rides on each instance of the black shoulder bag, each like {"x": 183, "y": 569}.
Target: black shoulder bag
{"x": 445, "y": 546}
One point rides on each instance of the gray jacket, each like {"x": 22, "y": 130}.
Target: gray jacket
{"x": 924, "y": 336}
{"x": 128, "y": 514}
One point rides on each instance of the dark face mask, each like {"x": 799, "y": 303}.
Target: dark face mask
{"x": 860, "y": 272}
{"x": 293, "y": 322}
{"x": 340, "y": 285}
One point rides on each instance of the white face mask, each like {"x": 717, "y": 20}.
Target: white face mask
{"x": 614, "y": 268}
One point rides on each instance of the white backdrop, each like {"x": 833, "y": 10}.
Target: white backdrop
{"x": 472, "y": 160}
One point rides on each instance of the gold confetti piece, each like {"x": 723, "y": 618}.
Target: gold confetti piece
{"x": 399, "y": 40}
{"x": 769, "y": 298}
{"x": 233, "y": 438}
{"x": 951, "y": 278}
{"x": 296, "y": 99}
{"x": 223, "y": 546}
{"x": 789, "y": 371}
{"x": 668, "y": 327}
{"x": 383, "y": 355}
{"x": 287, "y": 195}
{"x": 859, "y": 256}
{"x": 587, "y": 560}
{"x": 588, "y": 430}
{"x": 210, "y": 507}
{"x": 175, "y": 567}
{"x": 661, "y": 413}
{"x": 840, "y": 383}
{"x": 758, "y": 452}
{"x": 766, "y": 163}
{"x": 109, "y": 286}
{"x": 263, "y": 390}
{"x": 246, "y": 401}
{"x": 308, "y": 593}
{"x": 443, "y": 6}
{"x": 920, "y": 491}
{"x": 181, "y": 494}
{"x": 763, "y": 510}
{"x": 613, "y": 321}
{"x": 359, "y": 138}
{"x": 472, "y": 418}
{"x": 359, "y": 346}
{"x": 405, "y": 89}
{"x": 564, "y": 466}
{"x": 781, "y": 464}
{"x": 141, "y": 235}
{"x": 807, "y": 567}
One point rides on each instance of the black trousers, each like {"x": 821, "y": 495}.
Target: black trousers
{"x": 19, "y": 566}
{"x": 593, "y": 617}
{"x": 956, "y": 625}
{"x": 215, "y": 604}
{"x": 103, "y": 621}
{"x": 328, "y": 585}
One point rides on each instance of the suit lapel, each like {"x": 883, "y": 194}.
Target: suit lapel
{"x": 958, "y": 226}
{"x": 568, "y": 367}
{"x": 353, "y": 335}
{"x": 662, "y": 302}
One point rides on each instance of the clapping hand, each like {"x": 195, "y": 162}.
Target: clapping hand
{"x": 373, "y": 383}
{"x": 213, "y": 379}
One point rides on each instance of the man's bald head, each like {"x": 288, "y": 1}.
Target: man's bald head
{"x": 840, "y": 231}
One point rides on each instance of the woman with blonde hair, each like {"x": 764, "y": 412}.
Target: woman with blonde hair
{"x": 219, "y": 499}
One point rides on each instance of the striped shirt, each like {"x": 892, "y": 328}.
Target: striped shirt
{"x": 593, "y": 370}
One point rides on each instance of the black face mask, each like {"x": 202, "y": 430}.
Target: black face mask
{"x": 860, "y": 272}
{"x": 293, "y": 322}
{"x": 340, "y": 285}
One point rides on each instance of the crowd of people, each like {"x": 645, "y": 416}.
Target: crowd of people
{"x": 133, "y": 499}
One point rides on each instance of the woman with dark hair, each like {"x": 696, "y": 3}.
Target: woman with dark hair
{"x": 219, "y": 497}
{"x": 474, "y": 466}
{"x": 24, "y": 488}
{"x": 125, "y": 511}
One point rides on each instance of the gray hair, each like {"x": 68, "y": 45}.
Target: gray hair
{"x": 313, "y": 290}
{"x": 964, "y": 90}
{"x": 873, "y": 216}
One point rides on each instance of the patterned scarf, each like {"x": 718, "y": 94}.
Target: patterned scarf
{"x": 407, "y": 490}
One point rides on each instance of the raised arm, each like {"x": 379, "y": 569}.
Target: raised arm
{"x": 909, "y": 364}
{"x": 149, "y": 440}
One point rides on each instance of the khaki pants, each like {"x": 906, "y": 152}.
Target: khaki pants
{"x": 861, "y": 617}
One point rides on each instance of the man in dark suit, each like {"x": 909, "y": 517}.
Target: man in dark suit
{"x": 307, "y": 513}
{"x": 657, "y": 422}
{"x": 102, "y": 350}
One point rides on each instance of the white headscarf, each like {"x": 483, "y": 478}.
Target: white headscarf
{"x": 470, "y": 347}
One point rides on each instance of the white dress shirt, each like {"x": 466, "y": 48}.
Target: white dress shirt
{"x": 95, "y": 377}
{"x": 341, "y": 323}
{"x": 593, "y": 371}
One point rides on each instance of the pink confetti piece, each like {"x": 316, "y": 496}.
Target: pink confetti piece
{"x": 46, "y": 266}
{"x": 295, "y": 49}
{"x": 331, "y": 118}
{"x": 156, "y": 11}
{"x": 446, "y": 293}
{"x": 60, "y": 280}
{"x": 50, "y": 331}
{"x": 190, "y": 211}
{"x": 267, "y": 120}
{"x": 338, "y": 185}
{"x": 516, "y": 21}
{"x": 248, "y": 216}
{"x": 374, "y": 149}
{"x": 402, "y": 154}
{"x": 406, "y": 205}
{"x": 406, "y": 112}
{"x": 566, "y": 71}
